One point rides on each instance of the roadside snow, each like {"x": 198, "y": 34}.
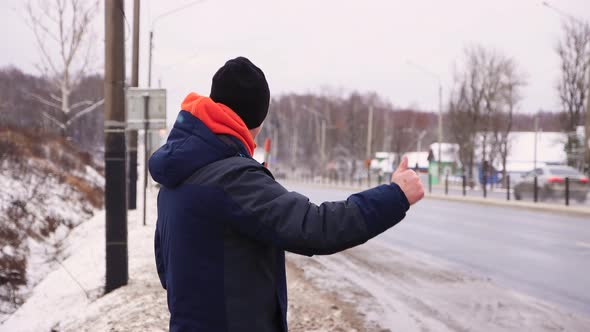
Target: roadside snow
{"x": 66, "y": 294}
{"x": 59, "y": 304}
{"x": 375, "y": 287}
{"x": 42, "y": 208}
{"x": 59, "y": 295}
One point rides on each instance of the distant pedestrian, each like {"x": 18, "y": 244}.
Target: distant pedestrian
{"x": 224, "y": 222}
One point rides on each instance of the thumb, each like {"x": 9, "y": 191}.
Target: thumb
{"x": 403, "y": 165}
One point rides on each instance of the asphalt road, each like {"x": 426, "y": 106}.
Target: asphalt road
{"x": 544, "y": 255}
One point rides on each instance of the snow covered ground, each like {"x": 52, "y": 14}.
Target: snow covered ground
{"x": 374, "y": 287}
{"x": 39, "y": 209}
{"x": 71, "y": 300}
{"x": 66, "y": 294}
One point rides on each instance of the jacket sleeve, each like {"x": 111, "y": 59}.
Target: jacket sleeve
{"x": 266, "y": 211}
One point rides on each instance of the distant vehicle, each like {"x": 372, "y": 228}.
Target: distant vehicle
{"x": 551, "y": 184}
{"x": 516, "y": 177}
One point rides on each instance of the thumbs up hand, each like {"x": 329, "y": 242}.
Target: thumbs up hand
{"x": 408, "y": 181}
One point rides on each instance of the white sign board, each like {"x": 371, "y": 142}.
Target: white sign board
{"x": 136, "y": 108}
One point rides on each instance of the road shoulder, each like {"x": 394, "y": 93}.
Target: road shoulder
{"x": 404, "y": 290}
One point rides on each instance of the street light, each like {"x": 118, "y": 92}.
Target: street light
{"x": 151, "y": 47}
{"x": 418, "y": 140}
{"x": 323, "y": 127}
{"x": 173, "y": 66}
{"x": 440, "y": 107}
{"x": 561, "y": 12}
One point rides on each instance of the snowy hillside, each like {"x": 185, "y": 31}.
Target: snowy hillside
{"x": 47, "y": 188}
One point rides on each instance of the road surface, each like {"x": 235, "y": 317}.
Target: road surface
{"x": 546, "y": 256}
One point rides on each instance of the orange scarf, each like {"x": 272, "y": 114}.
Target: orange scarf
{"x": 219, "y": 118}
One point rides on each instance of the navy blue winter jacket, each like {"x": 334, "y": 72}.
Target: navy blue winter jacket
{"x": 224, "y": 224}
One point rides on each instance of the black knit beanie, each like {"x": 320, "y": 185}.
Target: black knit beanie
{"x": 241, "y": 86}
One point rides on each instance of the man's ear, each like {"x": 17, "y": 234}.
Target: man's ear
{"x": 255, "y": 131}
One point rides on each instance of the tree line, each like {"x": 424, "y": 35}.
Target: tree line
{"x": 483, "y": 103}
{"x": 294, "y": 125}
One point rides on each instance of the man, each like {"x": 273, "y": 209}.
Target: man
{"x": 224, "y": 222}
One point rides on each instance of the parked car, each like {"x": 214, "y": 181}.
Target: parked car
{"x": 551, "y": 184}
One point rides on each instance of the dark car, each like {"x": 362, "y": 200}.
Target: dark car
{"x": 551, "y": 184}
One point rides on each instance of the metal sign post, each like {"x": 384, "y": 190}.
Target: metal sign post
{"x": 146, "y": 109}
{"x": 137, "y": 113}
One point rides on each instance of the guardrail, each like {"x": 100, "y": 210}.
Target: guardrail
{"x": 562, "y": 194}
{"x": 460, "y": 186}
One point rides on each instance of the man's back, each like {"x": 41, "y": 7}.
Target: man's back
{"x": 216, "y": 278}
{"x": 224, "y": 222}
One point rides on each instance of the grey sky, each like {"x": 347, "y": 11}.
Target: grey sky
{"x": 305, "y": 45}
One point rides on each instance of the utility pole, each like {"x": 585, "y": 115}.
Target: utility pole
{"x": 440, "y": 117}
{"x": 536, "y": 138}
{"x": 150, "y": 59}
{"x": 420, "y": 138}
{"x": 369, "y": 141}
{"x": 323, "y": 144}
{"x": 115, "y": 163}
{"x": 587, "y": 132}
{"x": 294, "y": 147}
{"x": 440, "y": 130}
{"x": 295, "y": 136}
{"x": 146, "y": 131}
{"x": 132, "y": 142}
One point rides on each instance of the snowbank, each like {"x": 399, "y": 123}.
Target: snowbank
{"x": 67, "y": 293}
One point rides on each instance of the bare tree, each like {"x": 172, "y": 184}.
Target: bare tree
{"x": 466, "y": 106}
{"x": 493, "y": 69}
{"x": 62, "y": 30}
{"x": 502, "y": 122}
{"x": 574, "y": 54}
{"x": 481, "y": 106}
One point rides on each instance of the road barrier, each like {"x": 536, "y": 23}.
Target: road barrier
{"x": 538, "y": 194}
{"x": 567, "y": 191}
{"x": 508, "y": 187}
{"x": 464, "y": 182}
{"x": 463, "y": 187}
{"x": 536, "y": 190}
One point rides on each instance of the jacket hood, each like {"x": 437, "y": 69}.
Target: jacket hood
{"x": 190, "y": 146}
{"x": 219, "y": 118}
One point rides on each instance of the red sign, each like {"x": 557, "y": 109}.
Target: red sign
{"x": 267, "y": 145}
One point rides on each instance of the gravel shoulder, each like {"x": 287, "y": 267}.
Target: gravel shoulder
{"x": 401, "y": 290}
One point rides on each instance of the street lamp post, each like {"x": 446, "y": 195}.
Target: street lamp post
{"x": 151, "y": 47}
{"x": 440, "y": 108}
{"x": 324, "y": 125}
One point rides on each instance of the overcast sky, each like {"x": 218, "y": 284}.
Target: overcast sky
{"x": 306, "y": 45}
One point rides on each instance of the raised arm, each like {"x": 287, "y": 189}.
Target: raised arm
{"x": 290, "y": 221}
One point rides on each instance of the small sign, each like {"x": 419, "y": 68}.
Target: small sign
{"x": 136, "y": 110}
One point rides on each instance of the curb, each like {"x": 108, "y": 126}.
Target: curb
{"x": 538, "y": 207}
